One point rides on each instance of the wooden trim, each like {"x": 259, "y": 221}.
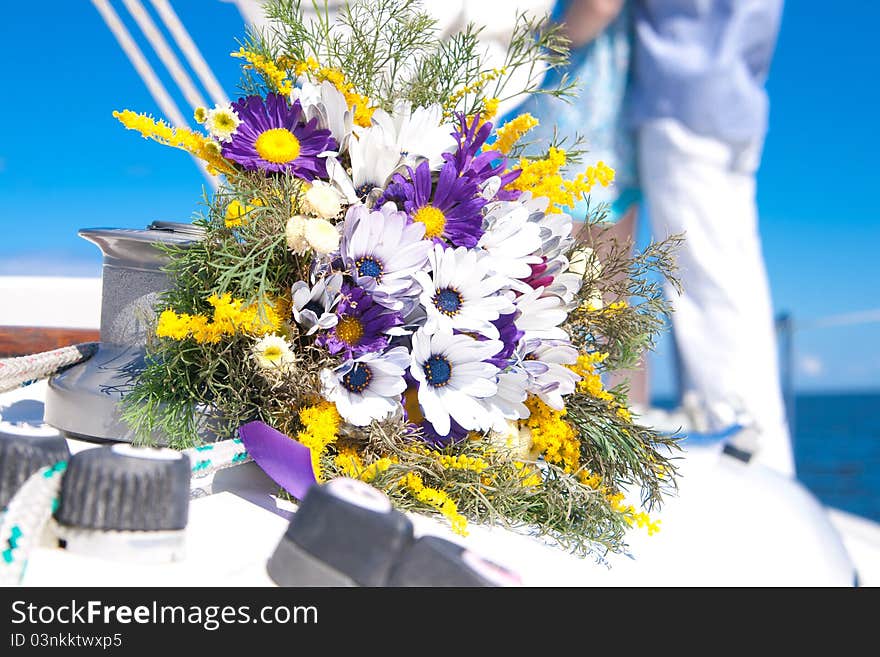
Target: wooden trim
{"x": 24, "y": 340}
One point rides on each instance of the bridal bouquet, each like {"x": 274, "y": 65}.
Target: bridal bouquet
{"x": 389, "y": 279}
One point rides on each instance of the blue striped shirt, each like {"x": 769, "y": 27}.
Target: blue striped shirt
{"x": 704, "y": 63}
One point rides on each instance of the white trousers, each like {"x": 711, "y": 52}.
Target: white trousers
{"x": 723, "y": 321}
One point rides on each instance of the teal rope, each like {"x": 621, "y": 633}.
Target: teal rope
{"x": 24, "y": 520}
{"x": 212, "y": 457}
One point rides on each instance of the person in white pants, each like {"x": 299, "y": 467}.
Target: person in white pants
{"x": 700, "y": 108}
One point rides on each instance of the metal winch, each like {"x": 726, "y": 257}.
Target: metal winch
{"x": 83, "y": 401}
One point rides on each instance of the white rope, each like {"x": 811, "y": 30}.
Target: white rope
{"x": 190, "y": 51}
{"x": 163, "y": 50}
{"x": 24, "y": 519}
{"x": 145, "y": 71}
{"x": 15, "y": 372}
{"x": 212, "y": 457}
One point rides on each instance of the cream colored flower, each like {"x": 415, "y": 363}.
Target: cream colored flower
{"x": 585, "y": 264}
{"x": 516, "y": 439}
{"x": 323, "y": 200}
{"x": 322, "y": 236}
{"x": 296, "y": 234}
{"x": 273, "y": 353}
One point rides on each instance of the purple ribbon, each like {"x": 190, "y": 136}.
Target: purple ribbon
{"x": 286, "y": 461}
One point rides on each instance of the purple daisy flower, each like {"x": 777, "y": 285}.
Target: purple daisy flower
{"x": 362, "y": 326}
{"x": 274, "y": 136}
{"x": 481, "y": 166}
{"x": 453, "y": 212}
{"x": 509, "y": 335}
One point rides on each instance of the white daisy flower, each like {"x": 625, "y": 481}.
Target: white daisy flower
{"x": 540, "y": 316}
{"x": 326, "y": 103}
{"x": 373, "y": 160}
{"x": 564, "y": 284}
{"x": 462, "y": 292}
{"x": 382, "y": 250}
{"x": 511, "y": 240}
{"x": 455, "y": 381}
{"x": 509, "y": 400}
{"x": 312, "y": 306}
{"x": 222, "y": 122}
{"x": 273, "y": 353}
{"x": 417, "y": 133}
{"x": 545, "y": 363}
{"x": 367, "y": 388}
{"x": 556, "y": 234}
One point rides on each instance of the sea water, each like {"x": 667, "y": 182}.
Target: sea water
{"x": 837, "y": 449}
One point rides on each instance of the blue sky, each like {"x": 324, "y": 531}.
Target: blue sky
{"x": 65, "y": 163}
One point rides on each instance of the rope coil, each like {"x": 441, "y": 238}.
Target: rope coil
{"x": 22, "y": 370}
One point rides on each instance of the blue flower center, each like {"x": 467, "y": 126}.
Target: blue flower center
{"x": 358, "y": 378}
{"x": 316, "y": 307}
{"x": 448, "y": 301}
{"x": 369, "y": 266}
{"x": 438, "y": 371}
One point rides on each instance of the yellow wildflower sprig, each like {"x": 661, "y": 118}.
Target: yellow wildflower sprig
{"x": 237, "y": 212}
{"x": 616, "y": 501}
{"x": 591, "y": 381}
{"x": 320, "y": 429}
{"x": 198, "y": 145}
{"x": 530, "y": 476}
{"x": 437, "y": 499}
{"x": 489, "y": 110}
{"x": 552, "y": 436}
{"x": 449, "y": 462}
{"x": 272, "y": 74}
{"x": 350, "y": 465}
{"x": 542, "y": 178}
{"x": 474, "y": 87}
{"x": 512, "y": 131}
{"x": 230, "y": 316}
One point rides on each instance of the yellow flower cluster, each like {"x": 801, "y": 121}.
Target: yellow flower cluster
{"x": 352, "y": 466}
{"x": 591, "y": 381}
{"x": 448, "y": 462}
{"x": 530, "y": 476}
{"x": 552, "y": 436}
{"x": 490, "y": 109}
{"x": 643, "y": 520}
{"x": 192, "y": 142}
{"x": 320, "y": 427}
{"x": 236, "y": 211}
{"x": 463, "y": 462}
{"x": 437, "y": 499}
{"x": 270, "y": 71}
{"x": 542, "y": 178}
{"x": 616, "y": 501}
{"x": 512, "y": 131}
{"x": 615, "y": 307}
{"x": 230, "y": 316}
{"x": 475, "y": 86}
{"x": 363, "y": 109}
